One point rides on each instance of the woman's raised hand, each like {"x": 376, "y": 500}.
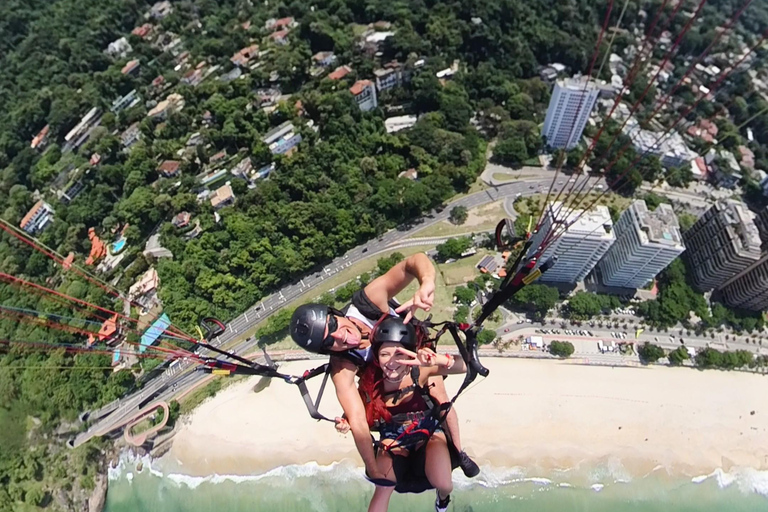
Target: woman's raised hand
{"x": 424, "y": 357}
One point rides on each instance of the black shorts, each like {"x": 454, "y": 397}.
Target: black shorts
{"x": 409, "y": 469}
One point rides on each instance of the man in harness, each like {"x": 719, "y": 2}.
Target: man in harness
{"x": 345, "y": 336}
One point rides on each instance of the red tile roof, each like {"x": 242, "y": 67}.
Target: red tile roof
{"x": 31, "y": 213}
{"x": 130, "y": 66}
{"x": 340, "y": 72}
{"x": 280, "y": 34}
{"x": 169, "y": 166}
{"x": 283, "y": 22}
{"x": 360, "y": 86}
{"x": 40, "y": 137}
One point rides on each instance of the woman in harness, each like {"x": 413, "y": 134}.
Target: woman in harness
{"x": 413, "y": 449}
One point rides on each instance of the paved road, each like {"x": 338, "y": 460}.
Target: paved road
{"x": 182, "y": 374}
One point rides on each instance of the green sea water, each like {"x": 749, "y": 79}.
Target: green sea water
{"x": 341, "y": 488}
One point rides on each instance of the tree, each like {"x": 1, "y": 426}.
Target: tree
{"x": 536, "y": 298}
{"x": 384, "y": 264}
{"x": 453, "y": 248}
{"x": 678, "y": 356}
{"x": 650, "y": 353}
{"x": 464, "y": 295}
{"x": 461, "y": 315}
{"x": 510, "y": 151}
{"x": 486, "y": 336}
{"x": 458, "y": 215}
{"x": 561, "y": 348}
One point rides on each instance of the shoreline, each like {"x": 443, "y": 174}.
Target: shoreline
{"x": 546, "y": 414}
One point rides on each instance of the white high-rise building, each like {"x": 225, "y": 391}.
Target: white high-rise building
{"x": 580, "y": 247}
{"x": 646, "y": 243}
{"x": 569, "y": 109}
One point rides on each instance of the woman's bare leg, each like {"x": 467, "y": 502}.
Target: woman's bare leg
{"x": 381, "y": 495}
{"x": 438, "y": 465}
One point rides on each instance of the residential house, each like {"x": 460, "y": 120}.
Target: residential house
{"x": 144, "y": 291}
{"x": 747, "y": 158}
{"x": 129, "y": 100}
{"x": 98, "y": 248}
{"x": 223, "y": 196}
{"x": 393, "y": 74}
{"x": 211, "y": 177}
{"x": 195, "y": 139}
{"x": 324, "y": 59}
{"x": 169, "y": 168}
{"x": 724, "y": 170}
{"x": 280, "y": 37}
{"x": 193, "y": 77}
{"x": 173, "y": 103}
{"x": 109, "y": 332}
{"x": 705, "y": 129}
{"x": 130, "y": 67}
{"x": 80, "y": 133}
{"x": 37, "y": 218}
{"x": 41, "y": 139}
{"x": 372, "y": 39}
{"x": 143, "y": 31}
{"x": 365, "y": 95}
{"x": 217, "y": 158}
{"x": 266, "y": 97}
{"x": 670, "y": 149}
{"x": 119, "y": 48}
{"x": 280, "y": 24}
{"x": 243, "y": 168}
{"x": 548, "y": 74}
{"x": 699, "y": 169}
{"x": 411, "y": 174}
{"x": 395, "y": 124}
{"x": 130, "y": 136}
{"x": 340, "y": 72}
{"x": 282, "y": 139}
{"x": 160, "y": 10}
{"x": 245, "y": 55}
{"x": 181, "y": 220}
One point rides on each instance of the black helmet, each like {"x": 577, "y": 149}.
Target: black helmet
{"x": 308, "y": 325}
{"x": 392, "y": 330}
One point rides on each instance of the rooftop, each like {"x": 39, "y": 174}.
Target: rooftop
{"x": 659, "y": 226}
{"x": 340, "y": 72}
{"x": 596, "y": 222}
{"x": 360, "y": 86}
{"x": 742, "y": 220}
{"x": 130, "y": 66}
{"x": 222, "y": 195}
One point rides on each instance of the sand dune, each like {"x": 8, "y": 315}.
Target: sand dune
{"x": 542, "y": 414}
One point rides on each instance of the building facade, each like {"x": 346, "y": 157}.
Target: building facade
{"x": 723, "y": 243}
{"x": 365, "y": 95}
{"x": 568, "y": 112}
{"x": 587, "y": 238}
{"x": 37, "y": 218}
{"x": 646, "y": 243}
{"x": 749, "y": 289}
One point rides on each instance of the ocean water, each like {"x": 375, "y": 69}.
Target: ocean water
{"x": 341, "y": 488}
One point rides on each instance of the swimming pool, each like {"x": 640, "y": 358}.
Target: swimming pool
{"x": 118, "y": 246}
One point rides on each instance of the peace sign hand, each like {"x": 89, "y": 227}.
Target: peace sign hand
{"x": 424, "y": 357}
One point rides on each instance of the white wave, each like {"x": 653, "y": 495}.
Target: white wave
{"x": 539, "y": 480}
{"x": 565, "y": 485}
{"x": 699, "y": 479}
{"x": 597, "y": 487}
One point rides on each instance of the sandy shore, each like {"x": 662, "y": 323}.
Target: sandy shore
{"x": 535, "y": 414}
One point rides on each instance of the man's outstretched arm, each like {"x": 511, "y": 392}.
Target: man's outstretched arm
{"x": 387, "y": 286}
{"x": 343, "y": 378}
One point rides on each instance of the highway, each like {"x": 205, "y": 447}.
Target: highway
{"x": 182, "y": 375}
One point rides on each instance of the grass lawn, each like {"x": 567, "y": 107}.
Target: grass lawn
{"x": 482, "y": 218}
{"x": 523, "y": 205}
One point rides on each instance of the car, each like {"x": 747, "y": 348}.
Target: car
{"x": 655, "y": 338}
{"x": 590, "y": 333}
{"x": 520, "y": 321}
{"x": 531, "y": 187}
{"x": 365, "y": 249}
{"x": 506, "y": 330}
{"x": 527, "y": 321}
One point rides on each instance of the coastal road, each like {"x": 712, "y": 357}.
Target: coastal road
{"x": 182, "y": 375}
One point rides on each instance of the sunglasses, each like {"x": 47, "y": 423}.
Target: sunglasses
{"x": 333, "y": 325}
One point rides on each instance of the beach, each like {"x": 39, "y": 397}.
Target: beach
{"x": 542, "y": 415}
